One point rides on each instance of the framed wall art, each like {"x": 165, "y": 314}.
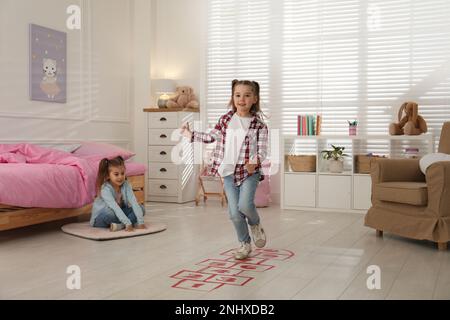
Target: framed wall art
{"x": 48, "y": 64}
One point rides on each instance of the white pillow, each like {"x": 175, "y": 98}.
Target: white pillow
{"x": 62, "y": 147}
{"x": 429, "y": 159}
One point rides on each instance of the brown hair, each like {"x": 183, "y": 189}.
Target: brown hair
{"x": 255, "y": 109}
{"x": 103, "y": 170}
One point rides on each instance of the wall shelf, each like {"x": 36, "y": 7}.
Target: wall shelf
{"x": 349, "y": 191}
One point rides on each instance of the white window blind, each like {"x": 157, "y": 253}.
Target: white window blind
{"x": 238, "y": 48}
{"x": 344, "y": 59}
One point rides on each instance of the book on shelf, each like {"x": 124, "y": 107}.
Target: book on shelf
{"x": 309, "y": 125}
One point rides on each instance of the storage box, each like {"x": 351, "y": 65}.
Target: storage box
{"x": 302, "y": 163}
{"x": 362, "y": 162}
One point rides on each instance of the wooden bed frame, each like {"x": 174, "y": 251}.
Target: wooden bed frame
{"x": 16, "y": 217}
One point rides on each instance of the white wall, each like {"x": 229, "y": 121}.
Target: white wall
{"x": 101, "y": 84}
{"x": 179, "y": 41}
{"x": 142, "y": 35}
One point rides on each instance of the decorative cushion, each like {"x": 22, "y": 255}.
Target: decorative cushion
{"x": 63, "y": 147}
{"x": 98, "y": 151}
{"x": 262, "y": 195}
{"x": 429, "y": 159}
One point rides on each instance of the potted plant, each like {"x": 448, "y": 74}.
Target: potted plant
{"x": 352, "y": 125}
{"x": 335, "y": 158}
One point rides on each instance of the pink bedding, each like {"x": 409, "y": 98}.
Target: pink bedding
{"x": 134, "y": 168}
{"x": 34, "y": 176}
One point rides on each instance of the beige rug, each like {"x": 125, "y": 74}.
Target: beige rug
{"x": 84, "y": 230}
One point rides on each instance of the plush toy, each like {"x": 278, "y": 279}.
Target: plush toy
{"x": 411, "y": 124}
{"x": 183, "y": 98}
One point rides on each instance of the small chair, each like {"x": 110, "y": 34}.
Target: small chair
{"x": 408, "y": 203}
{"x": 210, "y": 186}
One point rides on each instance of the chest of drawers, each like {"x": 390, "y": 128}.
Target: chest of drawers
{"x": 172, "y": 173}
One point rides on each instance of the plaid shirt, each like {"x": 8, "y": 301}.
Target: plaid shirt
{"x": 255, "y": 143}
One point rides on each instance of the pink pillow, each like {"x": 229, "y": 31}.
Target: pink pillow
{"x": 262, "y": 195}
{"x": 99, "y": 151}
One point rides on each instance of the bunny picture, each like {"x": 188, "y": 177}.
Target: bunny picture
{"x": 49, "y": 83}
{"x": 411, "y": 123}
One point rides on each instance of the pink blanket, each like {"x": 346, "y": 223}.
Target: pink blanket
{"x": 34, "y": 176}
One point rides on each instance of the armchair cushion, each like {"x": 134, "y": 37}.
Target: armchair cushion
{"x": 414, "y": 193}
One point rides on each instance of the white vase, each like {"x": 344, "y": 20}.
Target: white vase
{"x": 335, "y": 166}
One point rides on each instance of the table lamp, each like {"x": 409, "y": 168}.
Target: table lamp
{"x": 163, "y": 87}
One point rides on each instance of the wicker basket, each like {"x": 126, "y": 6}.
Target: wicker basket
{"x": 362, "y": 162}
{"x": 302, "y": 163}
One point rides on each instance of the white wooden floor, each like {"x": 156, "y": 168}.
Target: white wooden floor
{"x": 332, "y": 253}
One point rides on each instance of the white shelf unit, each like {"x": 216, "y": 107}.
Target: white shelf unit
{"x": 348, "y": 191}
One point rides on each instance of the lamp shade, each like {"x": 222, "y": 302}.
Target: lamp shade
{"x": 163, "y": 86}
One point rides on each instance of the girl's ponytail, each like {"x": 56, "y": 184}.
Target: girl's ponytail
{"x": 256, "y": 87}
{"x": 103, "y": 171}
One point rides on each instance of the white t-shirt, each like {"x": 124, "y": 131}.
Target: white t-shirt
{"x": 236, "y": 131}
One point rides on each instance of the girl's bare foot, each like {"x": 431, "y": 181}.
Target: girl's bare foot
{"x": 129, "y": 228}
{"x": 140, "y": 226}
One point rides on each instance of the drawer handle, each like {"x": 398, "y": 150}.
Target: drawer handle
{"x": 163, "y": 153}
{"x": 163, "y": 119}
{"x": 163, "y": 170}
{"x": 163, "y": 187}
{"x": 163, "y": 136}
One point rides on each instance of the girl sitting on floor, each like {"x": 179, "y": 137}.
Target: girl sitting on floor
{"x": 115, "y": 206}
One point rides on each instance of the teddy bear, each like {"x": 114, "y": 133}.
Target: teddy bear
{"x": 184, "y": 98}
{"x": 411, "y": 124}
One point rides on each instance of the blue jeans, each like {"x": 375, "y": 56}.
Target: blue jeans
{"x": 107, "y": 216}
{"x": 241, "y": 204}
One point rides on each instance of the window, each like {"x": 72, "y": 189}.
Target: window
{"x": 345, "y": 59}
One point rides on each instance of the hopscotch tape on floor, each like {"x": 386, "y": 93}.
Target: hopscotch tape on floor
{"x": 212, "y": 274}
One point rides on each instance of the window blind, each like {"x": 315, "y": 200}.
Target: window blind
{"x": 238, "y": 48}
{"x": 343, "y": 59}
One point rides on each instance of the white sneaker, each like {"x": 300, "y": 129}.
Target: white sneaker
{"x": 116, "y": 227}
{"x": 243, "y": 252}
{"x": 259, "y": 236}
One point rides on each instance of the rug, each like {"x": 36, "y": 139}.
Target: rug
{"x": 84, "y": 230}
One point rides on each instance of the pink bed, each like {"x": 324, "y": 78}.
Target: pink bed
{"x": 34, "y": 176}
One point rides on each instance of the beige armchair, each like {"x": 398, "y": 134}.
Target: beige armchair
{"x": 408, "y": 203}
